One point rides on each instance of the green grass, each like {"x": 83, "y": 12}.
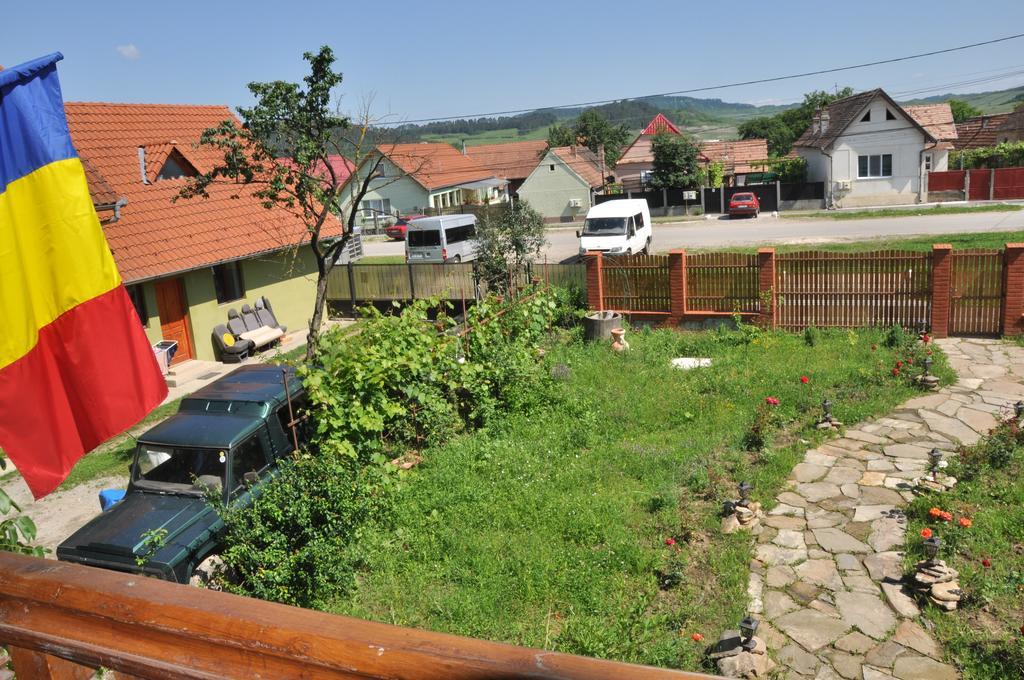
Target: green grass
{"x": 983, "y": 636}
{"x": 549, "y": 530}
{"x": 381, "y": 259}
{"x": 488, "y": 137}
{"x": 903, "y": 212}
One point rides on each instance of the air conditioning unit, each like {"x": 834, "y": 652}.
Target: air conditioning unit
{"x": 575, "y": 203}
{"x": 843, "y": 184}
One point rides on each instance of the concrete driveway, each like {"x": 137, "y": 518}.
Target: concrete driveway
{"x": 721, "y": 232}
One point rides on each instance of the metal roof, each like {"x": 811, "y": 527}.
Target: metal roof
{"x": 202, "y": 430}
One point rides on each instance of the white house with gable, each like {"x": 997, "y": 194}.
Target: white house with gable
{"x": 871, "y": 151}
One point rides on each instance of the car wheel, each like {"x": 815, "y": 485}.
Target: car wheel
{"x": 647, "y": 248}
{"x": 457, "y": 259}
{"x": 629, "y": 251}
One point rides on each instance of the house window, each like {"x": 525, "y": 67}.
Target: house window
{"x": 370, "y": 206}
{"x": 551, "y": 168}
{"x": 889, "y": 115}
{"x": 176, "y": 167}
{"x": 227, "y": 282}
{"x": 138, "y": 298}
{"x": 879, "y": 165}
{"x": 927, "y": 162}
{"x": 867, "y": 117}
{"x": 645, "y": 176}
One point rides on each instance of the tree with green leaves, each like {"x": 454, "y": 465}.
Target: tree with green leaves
{"x": 16, "y": 532}
{"x": 509, "y": 238}
{"x": 593, "y": 131}
{"x": 676, "y": 162}
{"x": 560, "y": 134}
{"x": 784, "y": 128}
{"x": 282, "y": 152}
{"x": 962, "y": 110}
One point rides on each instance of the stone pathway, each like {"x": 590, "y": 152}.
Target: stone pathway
{"x": 826, "y": 576}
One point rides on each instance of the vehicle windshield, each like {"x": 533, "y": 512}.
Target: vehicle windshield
{"x": 179, "y": 470}
{"x": 420, "y": 239}
{"x": 743, "y": 197}
{"x": 605, "y": 226}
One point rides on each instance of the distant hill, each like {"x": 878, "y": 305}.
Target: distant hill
{"x": 703, "y": 118}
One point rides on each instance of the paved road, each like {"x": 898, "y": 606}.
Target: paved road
{"x": 766, "y": 230}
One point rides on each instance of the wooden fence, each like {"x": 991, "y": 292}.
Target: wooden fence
{"x": 851, "y": 290}
{"x": 970, "y": 292}
{"x": 64, "y": 620}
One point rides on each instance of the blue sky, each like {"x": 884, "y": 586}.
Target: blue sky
{"x": 427, "y": 59}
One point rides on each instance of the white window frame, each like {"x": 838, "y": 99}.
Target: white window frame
{"x": 927, "y": 162}
{"x": 881, "y": 166}
{"x": 368, "y": 205}
{"x": 645, "y": 176}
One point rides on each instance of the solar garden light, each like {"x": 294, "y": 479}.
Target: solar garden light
{"x": 1018, "y": 408}
{"x": 826, "y": 408}
{"x": 935, "y": 456}
{"x": 748, "y": 626}
{"x": 931, "y": 547}
{"x": 927, "y": 365}
{"x": 745, "y": 488}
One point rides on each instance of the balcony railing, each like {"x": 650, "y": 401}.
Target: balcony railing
{"x": 64, "y": 620}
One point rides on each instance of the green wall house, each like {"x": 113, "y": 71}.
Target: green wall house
{"x": 562, "y": 185}
{"x": 421, "y": 178}
{"x": 185, "y": 263}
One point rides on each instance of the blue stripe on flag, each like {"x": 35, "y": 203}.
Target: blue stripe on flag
{"x": 33, "y": 129}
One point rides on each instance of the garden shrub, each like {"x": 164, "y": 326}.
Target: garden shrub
{"x": 405, "y": 383}
{"x": 811, "y": 336}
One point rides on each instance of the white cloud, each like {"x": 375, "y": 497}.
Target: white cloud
{"x": 129, "y": 51}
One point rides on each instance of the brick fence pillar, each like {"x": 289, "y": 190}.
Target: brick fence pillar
{"x": 677, "y": 287}
{"x": 766, "y": 286}
{"x": 1013, "y": 289}
{"x": 595, "y": 281}
{"x": 942, "y": 282}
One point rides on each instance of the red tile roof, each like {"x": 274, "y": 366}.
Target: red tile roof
{"x": 512, "y": 160}
{"x": 736, "y": 156}
{"x": 583, "y": 161}
{"x": 435, "y": 165}
{"x": 842, "y": 112}
{"x": 157, "y": 236}
{"x": 660, "y": 124}
{"x": 979, "y": 131}
{"x": 937, "y": 119}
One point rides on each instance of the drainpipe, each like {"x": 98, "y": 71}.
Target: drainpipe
{"x": 830, "y": 202}
{"x": 142, "y": 164}
{"x": 116, "y": 207}
{"x": 922, "y": 194}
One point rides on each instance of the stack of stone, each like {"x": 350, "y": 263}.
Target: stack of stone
{"x": 743, "y": 517}
{"x": 829, "y": 423}
{"x": 934, "y": 482}
{"x": 937, "y": 582}
{"x": 734, "y": 661}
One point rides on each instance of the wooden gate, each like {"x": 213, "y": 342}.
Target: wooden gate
{"x": 976, "y": 292}
{"x": 636, "y": 283}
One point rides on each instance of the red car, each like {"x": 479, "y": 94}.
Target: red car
{"x": 745, "y": 203}
{"x": 398, "y": 229}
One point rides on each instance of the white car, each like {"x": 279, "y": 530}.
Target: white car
{"x": 620, "y": 227}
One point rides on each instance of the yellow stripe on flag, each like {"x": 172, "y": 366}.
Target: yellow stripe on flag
{"x": 53, "y": 255}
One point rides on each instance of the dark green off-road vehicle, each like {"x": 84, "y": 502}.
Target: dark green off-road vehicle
{"x": 222, "y": 444}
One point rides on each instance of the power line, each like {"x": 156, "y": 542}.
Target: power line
{"x": 775, "y": 79}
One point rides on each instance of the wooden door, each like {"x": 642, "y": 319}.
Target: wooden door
{"x": 173, "y": 310}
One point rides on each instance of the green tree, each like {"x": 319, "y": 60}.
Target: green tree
{"x": 962, "y": 110}
{"x": 784, "y": 128}
{"x": 560, "y": 135}
{"x": 676, "y": 162}
{"x": 281, "y": 152}
{"x": 17, "y": 532}
{"x": 594, "y": 131}
{"x": 509, "y": 238}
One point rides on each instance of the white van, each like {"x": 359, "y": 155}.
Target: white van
{"x": 620, "y": 227}
{"x": 448, "y": 238}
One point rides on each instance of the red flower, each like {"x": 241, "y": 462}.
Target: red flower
{"x": 925, "y": 339}
{"x": 874, "y": 347}
{"x": 772, "y": 401}
{"x": 910, "y": 362}
{"x": 965, "y": 523}
{"x": 947, "y": 517}
{"x": 987, "y": 563}
{"x": 929, "y": 352}
{"x": 895, "y": 371}
{"x": 899, "y": 364}
{"x": 670, "y": 541}
{"x": 926, "y": 533}
{"x": 804, "y": 379}
{"x": 935, "y": 513}
{"x": 696, "y": 637}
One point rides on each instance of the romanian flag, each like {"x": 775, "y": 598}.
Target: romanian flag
{"x": 76, "y": 367}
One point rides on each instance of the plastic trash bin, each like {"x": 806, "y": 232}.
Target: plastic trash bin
{"x": 165, "y": 351}
{"x": 109, "y": 497}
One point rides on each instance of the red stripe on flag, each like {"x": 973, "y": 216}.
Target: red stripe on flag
{"x": 91, "y": 376}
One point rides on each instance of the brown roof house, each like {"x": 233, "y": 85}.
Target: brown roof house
{"x": 421, "y": 177}
{"x": 869, "y": 150}
{"x": 979, "y": 131}
{"x": 1012, "y": 129}
{"x": 562, "y": 185}
{"x": 634, "y": 167}
{"x": 186, "y": 262}
{"x": 512, "y": 161}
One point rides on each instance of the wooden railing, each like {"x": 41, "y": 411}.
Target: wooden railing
{"x": 64, "y": 620}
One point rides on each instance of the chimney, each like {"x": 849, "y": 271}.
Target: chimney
{"x": 824, "y": 121}
{"x": 573, "y": 149}
{"x": 816, "y": 123}
{"x": 463, "y": 147}
{"x": 142, "y": 164}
